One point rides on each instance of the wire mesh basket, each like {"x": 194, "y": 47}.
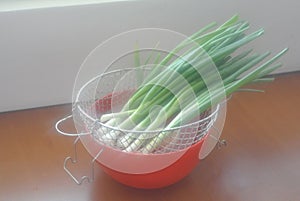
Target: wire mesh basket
{"x": 101, "y": 96}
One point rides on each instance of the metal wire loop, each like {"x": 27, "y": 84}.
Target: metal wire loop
{"x": 65, "y": 133}
{"x": 220, "y": 142}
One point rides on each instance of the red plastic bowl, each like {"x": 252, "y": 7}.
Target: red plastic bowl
{"x": 162, "y": 178}
{"x": 147, "y": 171}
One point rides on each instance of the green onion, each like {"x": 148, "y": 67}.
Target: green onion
{"x": 178, "y": 88}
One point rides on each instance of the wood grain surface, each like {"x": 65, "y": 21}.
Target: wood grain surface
{"x": 260, "y": 163}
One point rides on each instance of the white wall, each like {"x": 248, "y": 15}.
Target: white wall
{"x": 41, "y": 49}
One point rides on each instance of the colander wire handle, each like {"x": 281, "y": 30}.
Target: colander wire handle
{"x": 65, "y": 133}
{"x": 220, "y": 142}
{"x": 74, "y": 160}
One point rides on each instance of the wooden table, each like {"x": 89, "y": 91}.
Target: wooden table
{"x": 261, "y": 161}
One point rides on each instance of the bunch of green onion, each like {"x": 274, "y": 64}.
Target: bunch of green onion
{"x": 181, "y": 101}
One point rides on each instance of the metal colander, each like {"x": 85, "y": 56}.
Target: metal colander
{"x": 107, "y": 93}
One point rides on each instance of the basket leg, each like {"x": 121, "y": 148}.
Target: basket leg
{"x": 74, "y": 160}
